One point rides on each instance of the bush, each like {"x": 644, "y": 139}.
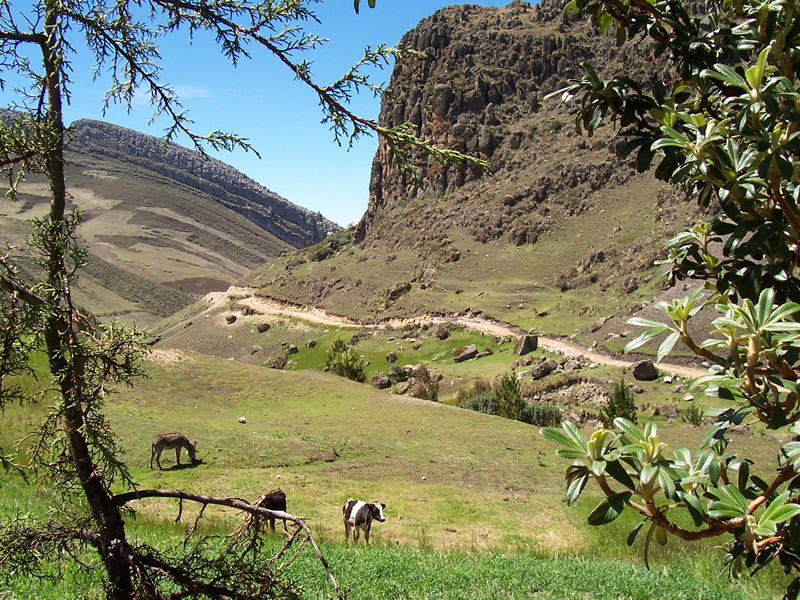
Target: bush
{"x": 346, "y": 362}
{"x": 693, "y": 416}
{"x": 541, "y": 415}
{"x": 423, "y": 386}
{"x": 509, "y": 400}
{"x": 484, "y": 402}
{"x": 621, "y": 404}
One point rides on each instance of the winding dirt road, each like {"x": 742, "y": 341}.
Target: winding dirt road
{"x": 272, "y": 306}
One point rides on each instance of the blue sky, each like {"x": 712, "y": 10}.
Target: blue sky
{"x": 280, "y": 116}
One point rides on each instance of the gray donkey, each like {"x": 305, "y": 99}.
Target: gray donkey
{"x": 171, "y": 440}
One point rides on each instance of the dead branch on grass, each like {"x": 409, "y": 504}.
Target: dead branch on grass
{"x": 253, "y": 526}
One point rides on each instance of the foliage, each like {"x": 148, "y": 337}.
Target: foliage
{"x": 693, "y": 416}
{"x": 620, "y": 404}
{"x": 541, "y": 415}
{"x": 345, "y": 361}
{"x": 484, "y": 402}
{"x": 726, "y": 130}
{"x": 509, "y": 399}
{"x": 482, "y": 398}
{"x": 423, "y": 385}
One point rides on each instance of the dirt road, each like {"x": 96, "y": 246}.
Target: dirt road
{"x": 273, "y": 306}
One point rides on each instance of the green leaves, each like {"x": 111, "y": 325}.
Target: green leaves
{"x": 609, "y": 509}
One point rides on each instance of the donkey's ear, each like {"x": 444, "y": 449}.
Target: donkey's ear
{"x": 194, "y": 444}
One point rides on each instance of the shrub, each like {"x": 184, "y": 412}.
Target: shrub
{"x": 423, "y": 386}
{"x": 693, "y": 416}
{"x": 346, "y": 362}
{"x": 509, "y": 400}
{"x": 484, "y": 402}
{"x": 541, "y": 415}
{"x": 621, "y": 404}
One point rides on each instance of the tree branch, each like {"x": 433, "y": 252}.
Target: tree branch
{"x": 122, "y": 499}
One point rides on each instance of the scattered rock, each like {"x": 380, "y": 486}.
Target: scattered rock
{"x": 311, "y": 344}
{"x": 292, "y": 349}
{"x": 242, "y": 420}
{"x": 526, "y": 343}
{"x": 262, "y": 327}
{"x": 391, "y": 357}
{"x": 231, "y": 319}
{"x": 381, "y": 381}
{"x": 598, "y": 324}
{"x": 255, "y": 350}
{"x": 678, "y": 389}
{"x": 465, "y": 353}
{"x": 645, "y": 370}
{"x": 688, "y": 398}
{"x": 544, "y": 369}
{"x": 278, "y": 362}
{"x": 442, "y": 332}
{"x": 637, "y": 389}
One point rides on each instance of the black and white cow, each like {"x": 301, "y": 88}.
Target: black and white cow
{"x": 359, "y": 515}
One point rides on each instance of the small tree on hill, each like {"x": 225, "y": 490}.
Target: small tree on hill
{"x": 509, "y": 399}
{"x": 621, "y": 404}
{"x": 727, "y": 129}
{"x": 345, "y": 361}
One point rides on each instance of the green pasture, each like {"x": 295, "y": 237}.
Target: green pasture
{"x": 474, "y": 503}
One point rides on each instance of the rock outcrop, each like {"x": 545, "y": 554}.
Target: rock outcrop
{"x": 481, "y": 91}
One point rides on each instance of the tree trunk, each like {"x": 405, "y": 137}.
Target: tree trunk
{"x": 64, "y": 354}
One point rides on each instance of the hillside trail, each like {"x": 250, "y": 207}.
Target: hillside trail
{"x": 273, "y": 306}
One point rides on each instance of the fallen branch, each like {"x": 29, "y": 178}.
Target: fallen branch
{"x": 123, "y": 499}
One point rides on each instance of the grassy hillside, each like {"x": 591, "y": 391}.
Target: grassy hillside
{"x": 482, "y": 489}
{"x": 156, "y": 244}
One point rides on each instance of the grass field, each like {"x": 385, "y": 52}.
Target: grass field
{"x": 474, "y": 503}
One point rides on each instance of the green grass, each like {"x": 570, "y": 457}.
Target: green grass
{"x": 461, "y": 488}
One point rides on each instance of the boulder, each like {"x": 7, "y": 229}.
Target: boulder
{"x": 381, "y": 381}
{"x": 645, "y": 370}
{"x": 526, "y": 343}
{"x": 277, "y": 362}
{"x": 442, "y": 332}
{"x": 391, "y": 357}
{"x": 544, "y": 369}
{"x": 262, "y": 327}
{"x": 231, "y": 319}
{"x": 465, "y": 353}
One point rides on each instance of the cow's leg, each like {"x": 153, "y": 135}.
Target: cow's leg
{"x": 366, "y": 534}
{"x": 272, "y": 524}
{"x": 355, "y": 534}
{"x": 346, "y": 532}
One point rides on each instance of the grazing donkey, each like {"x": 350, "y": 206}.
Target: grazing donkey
{"x": 359, "y": 515}
{"x": 171, "y": 440}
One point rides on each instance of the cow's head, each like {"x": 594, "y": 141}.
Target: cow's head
{"x": 376, "y": 508}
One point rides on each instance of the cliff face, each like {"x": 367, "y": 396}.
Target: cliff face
{"x": 481, "y": 91}
{"x": 288, "y": 222}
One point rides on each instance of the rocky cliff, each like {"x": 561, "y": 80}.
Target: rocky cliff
{"x": 288, "y": 222}
{"x": 481, "y": 90}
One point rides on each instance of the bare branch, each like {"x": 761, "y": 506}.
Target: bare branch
{"x": 122, "y": 499}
